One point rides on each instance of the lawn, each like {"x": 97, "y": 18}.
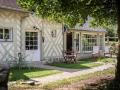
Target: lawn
{"x": 86, "y": 63}
{"x": 61, "y": 83}
{"x": 25, "y": 73}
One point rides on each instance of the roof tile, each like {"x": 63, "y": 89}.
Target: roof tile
{"x": 9, "y": 4}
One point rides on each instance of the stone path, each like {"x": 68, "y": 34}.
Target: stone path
{"x": 67, "y": 73}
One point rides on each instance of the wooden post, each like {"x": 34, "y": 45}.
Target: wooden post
{"x": 81, "y": 37}
{"x": 98, "y": 40}
{"x": 107, "y": 39}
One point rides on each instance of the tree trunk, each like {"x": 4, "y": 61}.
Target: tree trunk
{"x": 117, "y": 73}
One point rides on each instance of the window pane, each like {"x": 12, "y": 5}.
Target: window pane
{"x": 27, "y": 42}
{"x": 35, "y": 42}
{"x": 27, "y": 47}
{"x": 27, "y": 38}
{"x": 31, "y": 43}
{"x": 35, "y": 47}
{"x": 31, "y": 34}
{"x": 6, "y": 34}
{"x": 27, "y": 34}
{"x": 1, "y": 30}
{"x": 1, "y": 33}
{"x": 31, "y": 48}
{"x": 88, "y": 42}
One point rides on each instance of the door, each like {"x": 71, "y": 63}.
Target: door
{"x": 32, "y": 46}
{"x": 77, "y": 42}
{"x": 69, "y": 42}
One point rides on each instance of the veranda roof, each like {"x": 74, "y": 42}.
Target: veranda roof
{"x": 89, "y": 29}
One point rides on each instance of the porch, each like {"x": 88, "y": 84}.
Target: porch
{"x": 82, "y": 41}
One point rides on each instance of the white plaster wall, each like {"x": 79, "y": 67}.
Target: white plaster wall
{"x": 52, "y": 46}
{"x": 12, "y": 20}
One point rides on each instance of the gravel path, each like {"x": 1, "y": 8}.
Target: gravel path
{"x": 67, "y": 73}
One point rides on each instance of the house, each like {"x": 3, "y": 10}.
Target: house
{"x": 37, "y": 39}
{"x": 22, "y": 32}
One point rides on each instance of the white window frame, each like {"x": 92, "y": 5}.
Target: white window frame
{"x": 34, "y": 45}
{"x": 90, "y": 39}
{"x": 10, "y": 34}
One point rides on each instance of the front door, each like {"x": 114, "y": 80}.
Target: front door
{"x": 69, "y": 42}
{"x": 32, "y": 46}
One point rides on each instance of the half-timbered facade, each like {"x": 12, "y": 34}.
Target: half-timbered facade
{"x": 37, "y": 39}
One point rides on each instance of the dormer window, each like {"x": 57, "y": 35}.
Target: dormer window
{"x": 5, "y": 34}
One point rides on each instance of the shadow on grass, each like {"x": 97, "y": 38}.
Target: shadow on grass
{"x": 25, "y": 73}
{"x": 83, "y": 64}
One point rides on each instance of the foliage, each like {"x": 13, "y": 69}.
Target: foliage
{"x": 73, "y": 11}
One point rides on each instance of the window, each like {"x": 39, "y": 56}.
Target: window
{"x": 88, "y": 42}
{"x": 31, "y": 42}
{"x": 5, "y": 34}
{"x": 77, "y": 42}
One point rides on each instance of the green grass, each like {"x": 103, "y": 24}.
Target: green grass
{"x": 86, "y": 63}
{"x": 25, "y": 73}
{"x": 60, "y": 83}
{"x": 106, "y": 60}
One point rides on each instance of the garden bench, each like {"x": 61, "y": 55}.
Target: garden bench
{"x": 108, "y": 51}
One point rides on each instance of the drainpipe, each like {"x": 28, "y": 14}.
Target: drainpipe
{"x": 42, "y": 41}
{"x": 63, "y": 37}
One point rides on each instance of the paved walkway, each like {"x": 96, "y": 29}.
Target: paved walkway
{"x": 67, "y": 73}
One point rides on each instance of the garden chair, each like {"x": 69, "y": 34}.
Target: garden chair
{"x": 107, "y": 51}
{"x": 95, "y": 52}
{"x": 69, "y": 56}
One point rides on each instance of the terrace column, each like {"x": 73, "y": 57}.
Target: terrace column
{"x": 81, "y": 42}
{"x": 73, "y": 41}
{"x": 98, "y": 40}
{"x": 64, "y": 41}
{"x": 103, "y": 41}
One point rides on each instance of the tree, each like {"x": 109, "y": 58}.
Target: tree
{"x": 104, "y": 12}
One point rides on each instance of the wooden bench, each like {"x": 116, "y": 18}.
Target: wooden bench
{"x": 69, "y": 56}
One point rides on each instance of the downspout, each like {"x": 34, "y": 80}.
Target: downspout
{"x": 63, "y": 36}
{"x": 42, "y": 41}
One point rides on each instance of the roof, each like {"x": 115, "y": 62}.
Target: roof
{"x": 89, "y": 29}
{"x": 10, "y": 4}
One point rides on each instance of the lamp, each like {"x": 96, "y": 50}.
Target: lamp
{"x": 35, "y": 27}
{"x": 53, "y": 33}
